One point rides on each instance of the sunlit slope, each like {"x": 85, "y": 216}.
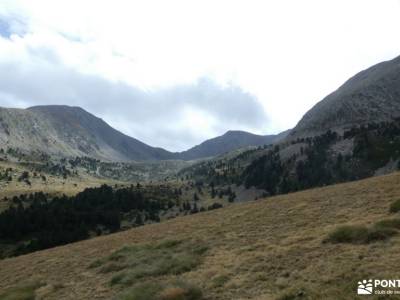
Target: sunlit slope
{"x": 268, "y": 249}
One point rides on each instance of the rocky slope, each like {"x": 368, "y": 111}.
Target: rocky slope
{"x": 372, "y": 95}
{"x": 66, "y": 131}
{"x": 70, "y": 131}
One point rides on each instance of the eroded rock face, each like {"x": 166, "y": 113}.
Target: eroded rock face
{"x": 372, "y": 95}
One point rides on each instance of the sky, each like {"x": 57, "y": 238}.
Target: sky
{"x": 174, "y": 73}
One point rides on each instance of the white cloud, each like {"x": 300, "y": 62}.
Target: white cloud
{"x": 175, "y": 117}
{"x": 289, "y": 54}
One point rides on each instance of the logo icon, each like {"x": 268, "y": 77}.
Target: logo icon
{"x": 365, "y": 287}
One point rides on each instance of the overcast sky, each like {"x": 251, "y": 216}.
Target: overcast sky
{"x": 173, "y": 73}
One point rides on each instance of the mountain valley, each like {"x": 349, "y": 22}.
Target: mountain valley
{"x": 239, "y": 216}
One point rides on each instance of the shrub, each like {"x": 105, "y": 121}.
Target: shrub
{"x": 389, "y": 223}
{"x": 97, "y": 263}
{"x": 379, "y": 234}
{"x": 360, "y": 234}
{"x": 214, "y": 206}
{"x": 117, "y": 279}
{"x": 395, "y": 206}
{"x": 25, "y": 292}
{"x": 348, "y": 234}
{"x": 24, "y": 176}
{"x": 220, "y": 280}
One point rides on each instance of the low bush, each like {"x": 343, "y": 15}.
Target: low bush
{"x": 25, "y": 292}
{"x": 348, "y": 234}
{"x": 214, "y": 206}
{"x": 389, "y": 223}
{"x": 395, "y": 206}
{"x": 117, "y": 279}
{"x": 220, "y": 280}
{"x": 360, "y": 234}
{"x": 377, "y": 233}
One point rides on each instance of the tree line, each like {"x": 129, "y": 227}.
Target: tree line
{"x": 41, "y": 221}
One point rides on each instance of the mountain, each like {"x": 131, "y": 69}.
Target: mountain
{"x": 372, "y": 95}
{"x": 231, "y": 140}
{"x": 70, "y": 131}
{"x": 328, "y": 145}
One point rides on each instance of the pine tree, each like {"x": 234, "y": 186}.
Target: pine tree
{"x": 139, "y": 220}
{"x": 195, "y": 197}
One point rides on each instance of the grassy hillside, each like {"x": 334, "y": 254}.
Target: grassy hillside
{"x": 53, "y": 184}
{"x": 268, "y": 249}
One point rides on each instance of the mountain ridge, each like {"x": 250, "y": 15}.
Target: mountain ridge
{"x": 126, "y": 147}
{"x": 229, "y": 141}
{"x": 64, "y": 130}
{"x": 372, "y": 95}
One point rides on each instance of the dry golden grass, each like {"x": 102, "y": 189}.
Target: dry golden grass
{"x": 54, "y": 185}
{"x": 268, "y": 249}
{"x": 172, "y": 293}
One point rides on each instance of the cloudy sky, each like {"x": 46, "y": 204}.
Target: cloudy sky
{"x": 173, "y": 73}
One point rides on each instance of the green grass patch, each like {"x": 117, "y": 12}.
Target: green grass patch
{"x": 395, "y": 206}
{"x": 389, "y": 223}
{"x": 360, "y": 234}
{"x": 112, "y": 267}
{"x": 23, "y": 292}
{"x": 168, "y": 257}
{"x": 157, "y": 291}
{"x": 97, "y": 263}
{"x": 379, "y": 234}
{"x": 220, "y": 280}
{"x": 117, "y": 279}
